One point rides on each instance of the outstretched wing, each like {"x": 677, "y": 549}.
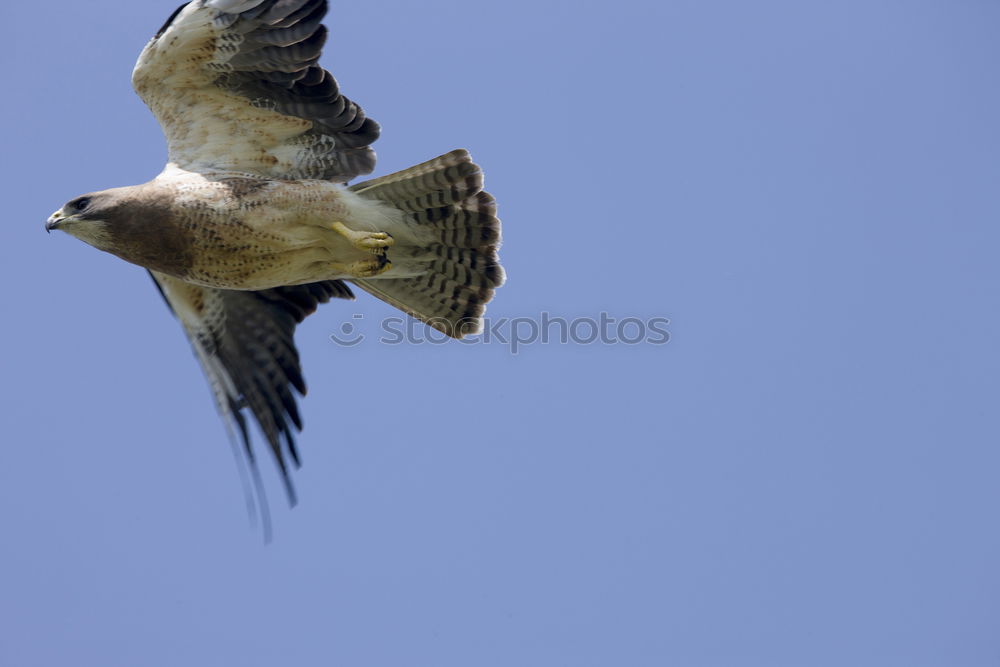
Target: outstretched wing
{"x": 236, "y": 87}
{"x": 244, "y": 342}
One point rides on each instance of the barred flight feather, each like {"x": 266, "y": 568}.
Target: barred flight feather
{"x": 443, "y": 198}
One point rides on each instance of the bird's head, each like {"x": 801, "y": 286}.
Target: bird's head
{"x": 85, "y": 217}
{"x": 134, "y": 222}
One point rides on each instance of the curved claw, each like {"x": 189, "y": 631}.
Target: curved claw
{"x": 374, "y": 242}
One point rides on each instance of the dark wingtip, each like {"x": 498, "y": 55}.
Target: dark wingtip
{"x": 170, "y": 20}
{"x": 293, "y": 498}
{"x": 293, "y": 449}
{"x": 265, "y": 511}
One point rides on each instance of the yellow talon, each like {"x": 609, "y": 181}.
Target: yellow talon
{"x": 369, "y": 268}
{"x": 365, "y": 268}
{"x": 373, "y": 242}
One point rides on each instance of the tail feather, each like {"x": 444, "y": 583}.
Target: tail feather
{"x": 470, "y": 225}
{"x": 454, "y": 270}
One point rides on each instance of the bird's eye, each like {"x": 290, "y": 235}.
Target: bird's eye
{"x": 81, "y": 203}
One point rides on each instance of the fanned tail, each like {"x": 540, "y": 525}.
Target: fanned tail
{"x": 454, "y": 268}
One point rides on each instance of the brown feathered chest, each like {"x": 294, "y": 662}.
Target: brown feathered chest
{"x": 232, "y": 232}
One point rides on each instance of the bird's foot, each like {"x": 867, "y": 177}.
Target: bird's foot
{"x": 374, "y": 242}
{"x": 365, "y": 268}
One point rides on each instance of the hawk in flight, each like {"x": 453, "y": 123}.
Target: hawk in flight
{"x": 251, "y": 224}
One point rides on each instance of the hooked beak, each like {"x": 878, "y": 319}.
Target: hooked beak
{"x": 54, "y": 220}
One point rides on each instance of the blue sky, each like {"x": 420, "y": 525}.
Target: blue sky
{"x": 806, "y": 474}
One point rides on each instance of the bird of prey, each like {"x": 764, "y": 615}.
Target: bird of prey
{"x": 251, "y": 224}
